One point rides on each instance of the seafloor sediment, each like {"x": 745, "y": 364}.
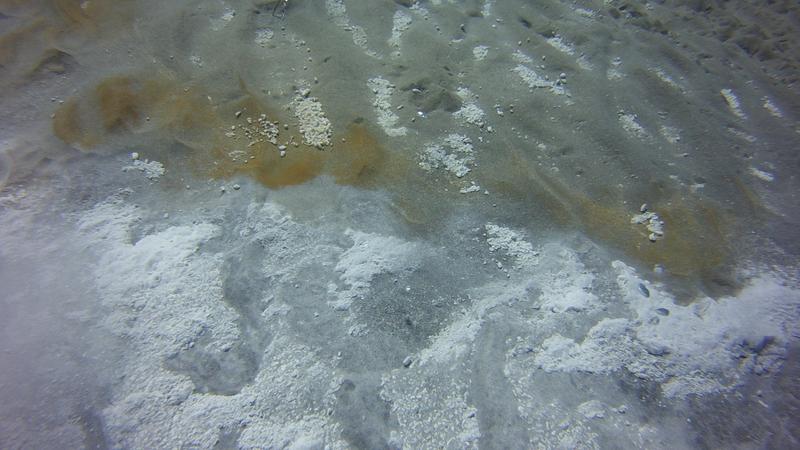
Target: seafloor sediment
{"x": 402, "y": 224}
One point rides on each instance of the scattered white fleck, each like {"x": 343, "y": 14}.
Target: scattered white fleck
{"x": 733, "y": 103}
{"x": 561, "y": 45}
{"x": 469, "y": 112}
{"x": 471, "y": 188}
{"x": 592, "y": 409}
{"x": 630, "y": 124}
{"x": 513, "y": 243}
{"x": 665, "y": 78}
{"x": 152, "y": 170}
{"x": 653, "y": 222}
{"x": 264, "y": 36}
{"x": 762, "y": 175}
{"x": 401, "y": 22}
{"x": 521, "y": 58}
{"x": 670, "y": 134}
{"x": 454, "y": 154}
{"x": 480, "y": 52}
{"x": 536, "y": 81}
{"x": 772, "y": 108}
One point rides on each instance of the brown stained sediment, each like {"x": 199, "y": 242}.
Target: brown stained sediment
{"x": 694, "y": 245}
{"x": 68, "y": 126}
{"x": 44, "y": 29}
{"x": 120, "y": 105}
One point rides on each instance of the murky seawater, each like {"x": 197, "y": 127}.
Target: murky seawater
{"x": 403, "y": 224}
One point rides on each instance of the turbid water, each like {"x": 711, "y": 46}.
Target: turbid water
{"x": 399, "y": 224}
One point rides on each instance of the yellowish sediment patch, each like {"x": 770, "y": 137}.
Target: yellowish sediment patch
{"x": 225, "y": 142}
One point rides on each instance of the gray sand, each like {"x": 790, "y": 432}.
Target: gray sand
{"x": 399, "y": 224}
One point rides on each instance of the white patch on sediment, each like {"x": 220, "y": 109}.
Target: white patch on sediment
{"x": 480, "y": 52}
{"x": 152, "y": 170}
{"x": 733, "y": 103}
{"x": 469, "y": 112}
{"x": 701, "y": 348}
{"x": 400, "y": 23}
{"x": 371, "y": 255}
{"x": 313, "y": 123}
{"x": 338, "y": 12}
{"x": 762, "y": 175}
{"x": 585, "y": 63}
{"x": 513, "y": 243}
{"x": 486, "y": 10}
{"x": 227, "y": 16}
{"x": 387, "y": 119}
{"x": 631, "y": 125}
{"x": 454, "y": 154}
{"x": 264, "y": 36}
{"x": 671, "y": 134}
{"x": 558, "y": 43}
{"x": 536, "y": 81}
{"x": 771, "y": 107}
{"x": 742, "y": 135}
{"x": 613, "y": 72}
{"x": 521, "y": 58}
{"x": 665, "y": 78}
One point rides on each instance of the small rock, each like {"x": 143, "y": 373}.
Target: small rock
{"x": 408, "y": 361}
{"x": 134, "y": 156}
{"x": 236, "y": 187}
{"x": 643, "y": 289}
{"x": 282, "y": 147}
{"x": 662, "y": 311}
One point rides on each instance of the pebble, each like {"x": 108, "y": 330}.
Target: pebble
{"x": 408, "y": 361}
{"x": 643, "y": 289}
{"x": 236, "y": 187}
{"x": 662, "y": 311}
{"x": 134, "y": 156}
